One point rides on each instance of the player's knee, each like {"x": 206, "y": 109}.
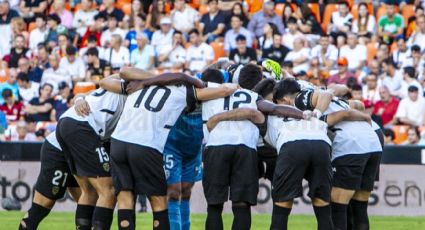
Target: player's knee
{"x": 125, "y": 200}
{"x": 284, "y": 204}
{"x": 240, "y": 205}
{"x": 341, "y": 196}
{"x": 186, "y": 193}
{"x": 158, "y": 203}
{"x": 361, "y": 195}
{"x": 317, "y": 202}
{"x": 174, "y": 193}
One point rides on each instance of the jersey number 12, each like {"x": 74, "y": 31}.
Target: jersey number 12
{"x": 244, "y": 97}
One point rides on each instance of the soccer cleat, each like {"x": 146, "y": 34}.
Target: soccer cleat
{"x": 273, "y": 67}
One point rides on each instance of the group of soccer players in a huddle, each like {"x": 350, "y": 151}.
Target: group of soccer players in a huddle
{"x": 229, "y": 126}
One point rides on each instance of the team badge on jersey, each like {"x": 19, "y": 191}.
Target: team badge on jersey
{"x": 106, "y": 167}
{"x": 55, "y": 190}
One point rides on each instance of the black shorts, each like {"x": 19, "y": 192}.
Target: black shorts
{"x": 267, "y": 157}
{"x": 356, "y": 171}
{"x": 137, "y": 168}
{"x": 55, "y": 175}
{"x": 83, "y": 148}
{"x": 230, "y": 166}
{"x": 298, "y": 160}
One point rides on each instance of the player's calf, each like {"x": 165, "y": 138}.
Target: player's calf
{"x": 160, "y": 212}
{"x": 40, "y": 208}
{"x": 241, "y": 216}
{"x": 103, "y": 212}
{"x": 322, "y": 211}
{"x": 280, "y": 214}
{"x": 126, "y": 215}
{"x": 358, "y": 205}
{"x": 186, "y": 192}
{"x": 214, "y": 220}
{"x": 340, "y": 198}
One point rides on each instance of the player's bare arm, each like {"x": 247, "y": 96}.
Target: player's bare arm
{"x": 338, "y": 90}
{"x": 134, "y": 74}
{"x": 165, "y": 79}
{"x": 279, "y": 110}
{"x": 320, "y": 101}
{"x": 239, "y": 114}
{"x": 346, "y": 115}
{"x": 212, "y": 93}
{"x": 357, "y": 105}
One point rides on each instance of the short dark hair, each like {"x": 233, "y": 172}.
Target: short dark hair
{"x": 265, "y": 87}
{"x": 388, "y": 133}
{"x": 236, "y": 16}
{"x": 343, "y": 2}
{"x": 240, "y": 37}
{"x": 288, "y": 64}
{"x": 7, "y": 93}
{"x": 23, "y": 77}
{"x": 249, "y": 76}
{"x": 55, "y": 18}
{"x": 40, "y": 15}
{"x": 292, "y": 20}
{"x": 99, "y": 16}
{"x": 212, "y": 75}
{"x": 409, "y": 70}
{"x": 288, "y": 86}
{"x": 209, "y": 1}
{"x": 70, "y": 50}
{"x": 92, "y": 52}
{"x": 390, "y": 62}
{"x": 356, "y": 87}
{"x": 193, "y": 31}
{"x": 177, "y": 32}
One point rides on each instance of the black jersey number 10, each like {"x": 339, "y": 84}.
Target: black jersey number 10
{"x": 148, "y": 103}
{"x": 244, "y": 97}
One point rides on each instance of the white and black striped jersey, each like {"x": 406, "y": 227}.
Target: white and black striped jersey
{"x": 51, "y": 138}
{"x": 283, "y": 130}
{"x": 150, "y": 113}
{"x": 231, "y": 132}
{"x": 351, "y": 137}
{"x": 105, "y": 107}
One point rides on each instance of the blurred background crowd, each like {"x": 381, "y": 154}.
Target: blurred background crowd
{"x": 51, "y": 50}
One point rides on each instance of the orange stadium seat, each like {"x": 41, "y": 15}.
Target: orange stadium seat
{"x": 254, "y": 5}
{"x": 371, "y": 51}
{"x": 278, "y": 9}
{"x": 84, "y": 87}
{"x": 330, "y": 8}
{"x": 407, "y": 12}
{"x": 400, "y": 132}
{"x": 203, "y": 9}
{"x": 218, "y": 48}
{"x": 31, "y": 26}
{"x": 126, "y": 8}
{"x": 315, "y": 9}
{"x": 195, "y": 4}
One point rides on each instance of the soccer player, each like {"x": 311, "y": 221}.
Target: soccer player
{"x": 230, "y": 157}
{"x": 356, "y": 154}
{"x": 84, "y": 142}
{"x": 139, "y": 139}
{"x": 54, "y": 179}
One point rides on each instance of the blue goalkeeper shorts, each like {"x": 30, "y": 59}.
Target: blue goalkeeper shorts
{"x": 182, "y": 152}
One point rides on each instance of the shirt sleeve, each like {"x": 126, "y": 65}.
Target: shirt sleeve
{"x": 190, "y": 98}
{"x": 401, "y": 110}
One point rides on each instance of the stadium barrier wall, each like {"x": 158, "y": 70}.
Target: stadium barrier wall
{"x": 400, "y": 191}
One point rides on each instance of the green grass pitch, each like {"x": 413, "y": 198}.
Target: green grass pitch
{"x": 65, "y": 221}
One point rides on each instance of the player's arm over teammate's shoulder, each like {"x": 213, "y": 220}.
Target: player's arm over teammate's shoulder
{"x": 211, "y": 93}
{"x": 279, "y": 110}
{"x": 134, "y": 74}
{"x": 238, "y": 114}
{"x": 346, "y": 115}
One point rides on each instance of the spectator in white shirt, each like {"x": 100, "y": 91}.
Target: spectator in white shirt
{"x": 356, "y": 53}
{"x": 118, "y": 55}
{"x": 341, "y": 20}
{"x": 113, "y": 28}
{"x": 392, "y": 78}
{"x": 163, "y": 37}
{"x": 22, "y": 134}
{"x": 370, "y": 90}
{"x": 410, "y": 78}
{"x": 236, "y": 29}
{"x": 39, "y": 34}
{"x": 300, "y": 56}
{"x": 325, "y": 52}
{"x": 415, "y": 59}
{"x": 199, "y": 54}
{"x": 411, "y": 109}
{"x": 292, "y": 32}
{"x": 54, "y": 75}
{"x": 365, "y": 24}
{"x": 143, "y": 56}
{"x": 184, "y": 17}
{"x": 73, "y": 64}
{"x": 27, "y": 89}
{"x": 418, "y": 37}
{"x": 84, "y": 17}
{"x": 174, "y": 56}
{"x": 402, "y": 53}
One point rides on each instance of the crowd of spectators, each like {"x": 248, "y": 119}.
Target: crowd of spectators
{"x": 52, "y": 49}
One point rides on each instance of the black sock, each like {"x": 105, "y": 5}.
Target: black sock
{"x": 214, "y": 220}
{"x": 160, "y": 220}
{"x": 339, "y": 216}
{"x": 34, "y": 216}
{"x": 360, "y": 217}
{"x": 324, "y": 218}
{"x": 102, "y": 218}
{"x": 350, "y": 218}
{"x": 126, "y": 219}
{"x": 280, "y": 218}
{"x": 83, "y": 216}
{"x": 241, "y": 217}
